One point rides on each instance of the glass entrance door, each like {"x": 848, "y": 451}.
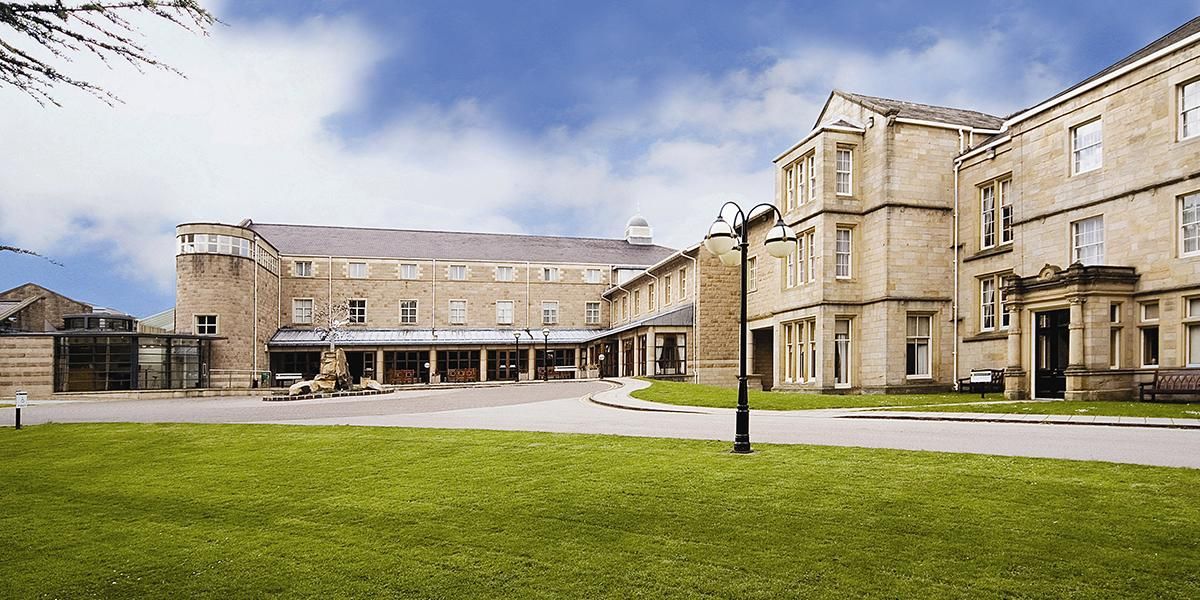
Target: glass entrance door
{"x": 1053, "y": 343}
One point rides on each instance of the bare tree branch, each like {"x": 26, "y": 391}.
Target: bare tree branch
{"x": 17, "y": 250}
{"x": 98, "y": 28}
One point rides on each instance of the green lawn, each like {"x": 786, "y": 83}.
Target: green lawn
{"x": 225, "y": 511}
{"x": 690, "y": 394}
{"x": 1177, "y": 410}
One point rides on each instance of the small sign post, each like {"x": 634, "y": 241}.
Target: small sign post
{"x": 984, "y": 376}
{"x": 22, "y": 400}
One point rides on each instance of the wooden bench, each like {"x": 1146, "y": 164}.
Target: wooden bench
{"x": 995, "y": 385}
{"x": 1170, "y": 382}
{"x": 287, "y": 379}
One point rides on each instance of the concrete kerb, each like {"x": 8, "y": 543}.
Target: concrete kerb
{"x": 1095, "y": 421}
{"x": 618, "y": 397}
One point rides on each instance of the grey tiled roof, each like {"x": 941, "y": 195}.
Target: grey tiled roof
{"x": 319, "y": 240}
{"x": 425, "y": 337}
{"x": 679, "y": 317}
{"x": 926, "y": 112}
{"x": 1181, "y": 32}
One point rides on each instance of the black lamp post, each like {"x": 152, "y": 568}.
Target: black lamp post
{"x": 727, "y": 241}
{"x": 546, "y": 354}
{"x": 517, "y": 339}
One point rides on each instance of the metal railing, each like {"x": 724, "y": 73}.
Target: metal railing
{"x": 238, "y": 378}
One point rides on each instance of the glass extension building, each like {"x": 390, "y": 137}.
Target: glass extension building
{"x": 100, "y": 352}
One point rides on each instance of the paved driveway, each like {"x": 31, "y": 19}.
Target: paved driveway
{"x": 560, "y": 407}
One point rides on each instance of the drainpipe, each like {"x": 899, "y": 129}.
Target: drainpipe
{"x": 254, "y": 343}
{"x": 695, "y": 315}
{"x": 329, "y": 304}
{"x": 527, "y": 275}
{"x": 433, "y": 308}
{"x": 954, "y": 302}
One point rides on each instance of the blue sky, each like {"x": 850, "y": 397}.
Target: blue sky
{"x": 539, "y": 117}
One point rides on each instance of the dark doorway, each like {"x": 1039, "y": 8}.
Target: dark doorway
{"x": 504, "y": 365}
{"x": 360, "y": 362}
{"x": 608, "y": 366}
{"x": 405, "y": 366}
{"x": 763, "y": 341}
{"x": 627, "y": 357}
{"x": 1053, "y": 343}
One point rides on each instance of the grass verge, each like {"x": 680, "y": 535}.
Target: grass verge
{"x": 1108, "y": 409}
{"x": 691, "y": 394}
{"x": 223, "y": 511}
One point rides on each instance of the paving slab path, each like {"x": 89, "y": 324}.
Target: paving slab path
{"x": 591, "y": 407}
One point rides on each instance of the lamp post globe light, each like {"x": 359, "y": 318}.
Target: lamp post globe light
{"x": 728, "y": 241}
{"x": 600, "y": 358}
{"x": 546, "y": 354}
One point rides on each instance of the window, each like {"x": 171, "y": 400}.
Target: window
{"x": 357, "y": 270}
{"x": 670, "y": 354}
{"x": 637, "y": 302}
{"x": 504, "y": 273}
{"x": 919, "y": 346}
{"x": 408, "y": 312}
{"x": 1087, "y": 147}
{"x": 812, "y": 176}
{"x": 549, "y": 273}
{"x": 1189, "y": 110}
{"x": 302, "y": 268}
{"x": 800, "y": 179}
{"x": 1189, "y": 224}
{"x": 1150, "y": 311}
{"x": 591, "y": 313}
{"x": 842, "y": 253}
{"x": 987, "y": 304}
{"x": 302, "y": 311}
{"x": 752, "y": 273}
{"x": 408, "y": 271}
{"x": 800, "y": 340}
{"x": 845, "y": 163}
{"x": 799, "y": 260}
{"x": 1006, "y": 211}
{"x": 812, "y": 350}
{"x": 206, "y": 324}
{"x": 1005, "y": 316}
{"x": 789, "y": 184}
{"x": 549, "y": 313}
{"x": 458, "y": 312}
{"x": 789, "y": 352}
{"x": 358, "y": 311}
{"x": 683, "y": 283}
{"x": 1149, "y": 346}
{"x": 812, "y": 255}
{"x": 650, "y": 297}
{"x": 666, "y": 289}
{"x": 841, "y": 353}
{"x": 504, "y": 312}
{"x": 1114, "y": 335}
{"x": 594, "y": 276}
{"x": 1193, "y": 345}
{"x": 987, "y": 217}
{"x": 1088, "y": 236}
{"x": 789, "y": 271}
{"x": 624, "y": 307}
{"x": 213, "y": 244}
{"x": 458, "y": 272}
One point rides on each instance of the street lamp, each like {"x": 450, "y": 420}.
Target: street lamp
{"x": 601, "y": 359}
{"x": 546, "y": 354}
{"x": 517, "y": 339}
{"x": 729, "y": 242}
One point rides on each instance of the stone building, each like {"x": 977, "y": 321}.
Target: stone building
{"x": 1079, "y": 231}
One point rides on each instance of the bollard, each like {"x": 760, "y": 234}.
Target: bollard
{"x": 22, "y": 399}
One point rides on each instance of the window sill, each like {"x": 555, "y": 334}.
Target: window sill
{"x": 985, "y": 336}
{"x": 1004, "y": 248}
{"x": 918, "y": 377}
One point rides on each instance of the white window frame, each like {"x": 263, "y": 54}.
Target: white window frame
{"x": 500, "y": 314}
{"x": 1142, "y": 345}
{"x": 202, "y": 328}
{"x": 549, "y": 312}
{"x": 1189, "y": 115}
{"x": 987, "y": 304}
{"x": 812, "y": 255}
{"x": 752, "y": 274}
{"x": 350, "y": 311}
{"x": 352, "y": 268}
{"x": 812, "y": 175}
{"x": 404, "y": 271}
{"x": 789, "y": 187}
{"x": 1191, "y": 333}
{"x": 1145, "y": 312}
{"x": 846, "y": 351}
{"x": 550, "y": 274}
{"x": 1004, "y": 192}
{"x": 915, "y": 340}
{"x": 789, "y": 270}
{"x": 1078, "y": 247}
{"x": 848, "y": 172}
{"x": 839, "y": 253}
{"x": 416, "y": 311}
{"x": 1077, "y": 150}
{"x": 591, "y": 313}
{"x": 457, "y": 305}
{"x": 594, "y": 276}
{"x": 1189, "y": 229}
{"x": 302, "y": 271}
{"x": 987, "y": 216}
{"x": 637, "y": 302}
{"x": 456, "y": 272}
{"x": 297, "y": 310}
{"x": 682, "y": 283}
{"x": 666, "y": 289}
{"x": 506, "y": 273}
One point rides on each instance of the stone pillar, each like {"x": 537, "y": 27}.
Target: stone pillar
{"x": 1075, "y": 358}
{"x": 1015, "y": 381}
{"x": 379, "y": 365}
{"x": 433, "y": 366}
{"x": 483, "y": 364}
{"x": 532, "y": 362}
{"x": 649, "y": 366}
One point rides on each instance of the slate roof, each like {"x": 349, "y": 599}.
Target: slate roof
{"x": 424, "y": 337}
{"x": 680, "y": 317}
{"x": 926, "y": 112}
{"x": 1178, "y": 34}
{"x": 320, "y": 240}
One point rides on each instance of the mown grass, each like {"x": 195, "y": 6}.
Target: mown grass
{"x": 250, "y": 511}
{"x": 1176, "y": 410}
{"x": 691, "y": 394}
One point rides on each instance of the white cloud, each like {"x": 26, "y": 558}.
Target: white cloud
{"x": 245, "y": 136}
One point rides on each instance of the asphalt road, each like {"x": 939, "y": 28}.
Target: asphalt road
{"x": 560, "y": 407}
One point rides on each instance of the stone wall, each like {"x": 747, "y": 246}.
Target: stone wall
{"x": 26, "y": 363}
{"x": 47, "y": 313}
